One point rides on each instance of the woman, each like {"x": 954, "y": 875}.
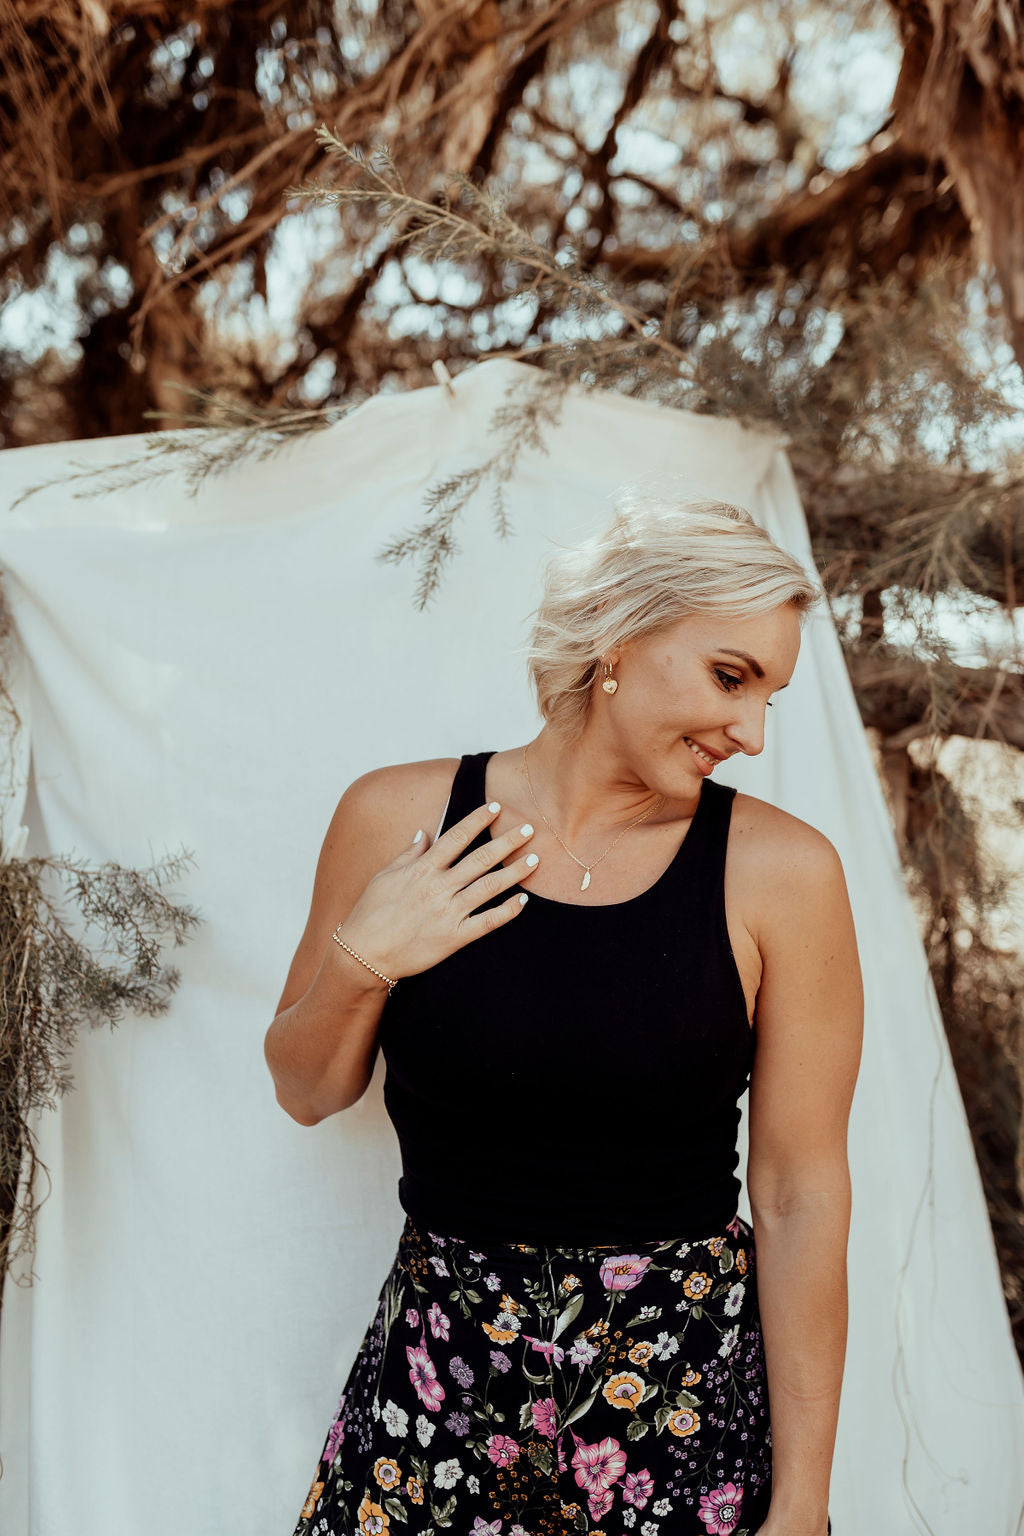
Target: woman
{"x": 579, "y": 1333}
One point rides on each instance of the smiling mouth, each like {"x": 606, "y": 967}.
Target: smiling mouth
{"x": 704, "y": 756}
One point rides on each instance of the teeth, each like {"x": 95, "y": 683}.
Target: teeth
{"x": 694, "y": 748}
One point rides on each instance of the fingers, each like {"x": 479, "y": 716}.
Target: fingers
{"x": 495, "y": 917}
{"x": 458, "y": 837}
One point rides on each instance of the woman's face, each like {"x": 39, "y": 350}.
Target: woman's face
{"x": 688, "y": 684}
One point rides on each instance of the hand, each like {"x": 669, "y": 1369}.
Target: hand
{"x": 777, "y": 1525}
{"x": 417, "y": 909}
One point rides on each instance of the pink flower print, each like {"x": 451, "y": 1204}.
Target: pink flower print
{"x": 562, "y": 1467}
{"x": 335, "y": 1436}
{"x": 482, "y": 1527}
{"x": 412, "y": 1317}
{"x": 720, "y": 1509}
{"x": 544, "y": 1420}
{"x": 503, "y": 1450}
{"x": 599, "y": 1503}
{"x": 599, "y": 1465}
{"x": 623, "y": 1271}
{"x": 439, "y": 1324}
{"x": 637, "y": 1488}
{"x": 549, "y": 1351}
{"x": 423, "y": 1376}
{"x": 734, "y": 1226}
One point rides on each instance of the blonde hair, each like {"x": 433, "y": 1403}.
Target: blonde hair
{"x": 659, "y": 560}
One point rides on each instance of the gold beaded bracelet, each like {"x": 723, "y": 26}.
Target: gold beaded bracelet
{"x": 391, "y": 984}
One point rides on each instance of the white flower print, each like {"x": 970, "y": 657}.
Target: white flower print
{"x": 734, "y": 1300}
{"x": 629, "y": 1517}
{"x": 649, "y": 1528}
{"x": 396, "y": 1420}
{"x": 582, "y": 1352}
{"x": 676, "y": 1276}
{"x": 473, "y": 1483}
{"x": 375, "y": 1408}
{"x": 683, "y": 1250}
{"x": 424, "y": 1429}
{"x": 477, "y": 1258}
{"x": 728, "y": 1343}
{"x": 506, "y": 1321}
{"x": 646, "y": 1313}
{"x": 492, "y": 1282}
{"x": 447, "y": 1473}
{"x": 667, "y": 1345}
{"x": 662, "y": 1507}
{"x": 440, "y": 1267}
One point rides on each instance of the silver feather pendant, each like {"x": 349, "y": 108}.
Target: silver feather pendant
{"x": 586, "y": 881}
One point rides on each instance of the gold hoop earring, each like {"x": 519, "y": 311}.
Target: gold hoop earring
{"x": 609, "y": 685}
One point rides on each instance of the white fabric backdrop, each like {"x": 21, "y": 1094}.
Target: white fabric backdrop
{"x": 212, "y": 672}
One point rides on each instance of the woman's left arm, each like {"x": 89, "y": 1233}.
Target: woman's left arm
{"x": 809, "y": 1019}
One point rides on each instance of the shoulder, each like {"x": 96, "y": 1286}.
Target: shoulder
{"x": 786, "y": 865}
{"x": 385, "y": 806}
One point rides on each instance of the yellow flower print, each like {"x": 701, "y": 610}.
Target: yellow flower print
{"x": 697, "y": 1285}
{"x": 373, "y": 1521}
{"x": 310, "y": 1504}
{"x": 624, "y": 1390}
{"x": 596, "y": 1330}
{"x": 507, "y": 1304}
{"x": 386, "y": 1472}
{"x": 414, "y": 1488}
{"x": 569, "y": 1512}
{"x": 715, "y": 1245}
{"x": 741, "y": 1260}
{"x": 641, "y": 1353}
{"x": 685, "y": 1421}
{"x": 569, "y": 1283}
{"x": 691, "y": 1378}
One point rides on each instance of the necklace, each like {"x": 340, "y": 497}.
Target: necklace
{"x": 588, "y": 867}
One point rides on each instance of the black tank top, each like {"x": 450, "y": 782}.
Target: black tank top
{"x": 573, "y": 1076}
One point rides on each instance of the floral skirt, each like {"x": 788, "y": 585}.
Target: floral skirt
{"x": 509, "y": 1390}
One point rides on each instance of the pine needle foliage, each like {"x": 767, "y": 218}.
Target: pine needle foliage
{"x": 80, "y": 944}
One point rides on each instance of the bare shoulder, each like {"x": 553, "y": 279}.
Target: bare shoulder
{"x": 387, "y": 805}
{"x": 373, "y": 822}
{"x": 781, "y": 860}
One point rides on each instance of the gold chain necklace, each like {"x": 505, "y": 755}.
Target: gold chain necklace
{"x": 587, "y": 867}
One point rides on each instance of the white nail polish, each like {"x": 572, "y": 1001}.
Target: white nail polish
{"x": 494, "y": 807}
{"x": 523, "y": 899}
{"x": 526, "y": 831}
{"x": 532, "y": 859}
{"x": 418, "y": 837}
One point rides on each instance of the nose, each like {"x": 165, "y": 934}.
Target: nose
{"x": 747, "y": 730}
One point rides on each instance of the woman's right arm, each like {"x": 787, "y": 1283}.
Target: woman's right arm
{"x": 322, "y": 1044}
{"x": 402, "y": 911}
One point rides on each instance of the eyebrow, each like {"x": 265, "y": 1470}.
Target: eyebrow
{"x": 755, "y": 665}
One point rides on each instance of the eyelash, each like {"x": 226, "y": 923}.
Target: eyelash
{"x": 735, "y": 681}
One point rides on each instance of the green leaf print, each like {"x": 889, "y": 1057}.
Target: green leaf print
{"x": 443, "y": 1512}
{"x": 581, "y": 1408}
{"x": 686, "y": 1399}
{"x": 726, "y": 1260}
{"x": 540, "y": 1455}
{"x": 569, "y": 1314}
{"x": 637, "y": 1429}
{"x": 395, "y": 1509}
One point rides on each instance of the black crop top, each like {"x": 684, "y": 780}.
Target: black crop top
{"x": 573, "y": 1077}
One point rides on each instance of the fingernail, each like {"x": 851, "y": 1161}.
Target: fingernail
{"x": 416, "y": 839}
{"x": 523, "y": 899}
{"x": 526, "y": 831}
{"x": 494, "y": 807}
{"x": 532, "y": 859}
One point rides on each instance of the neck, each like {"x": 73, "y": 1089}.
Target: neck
{"x": 587, "y": 789}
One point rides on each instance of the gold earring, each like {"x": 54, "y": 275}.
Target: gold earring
{"x": 609, "y": 685}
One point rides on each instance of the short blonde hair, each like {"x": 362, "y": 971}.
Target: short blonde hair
{"x": 659, "y": 560}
